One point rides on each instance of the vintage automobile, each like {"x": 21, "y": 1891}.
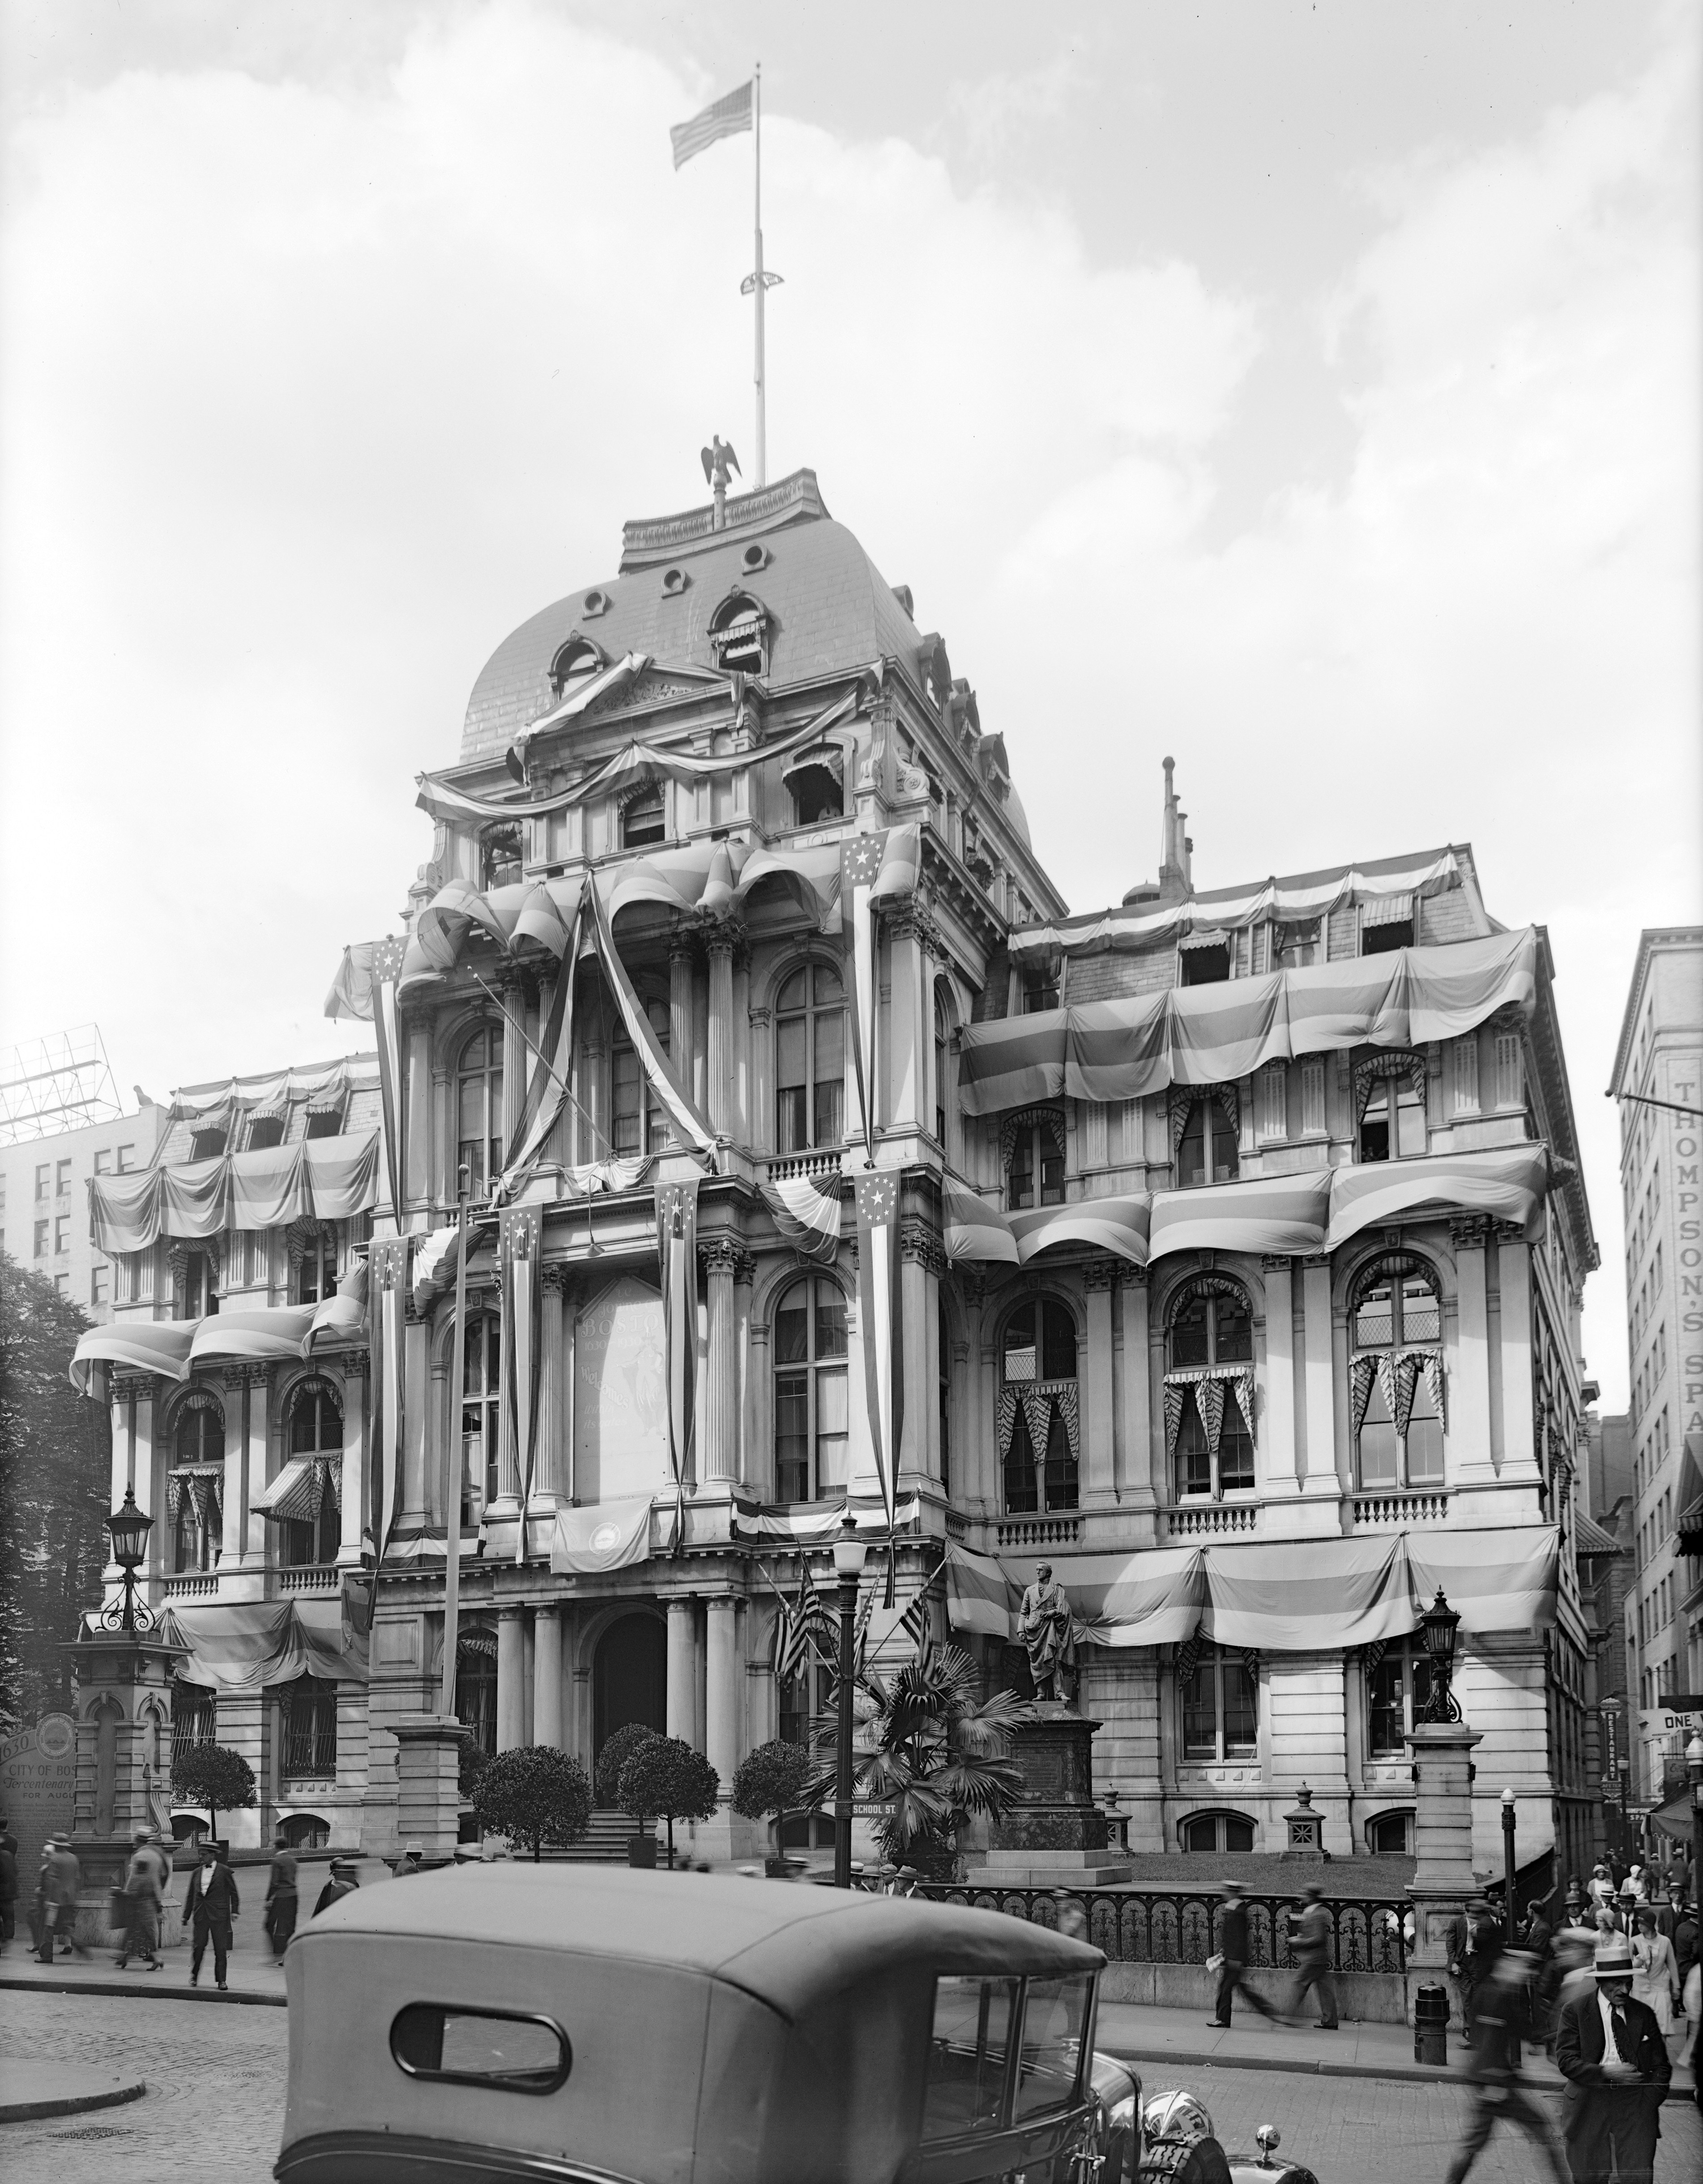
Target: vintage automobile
{"x": 505, "y": 2022}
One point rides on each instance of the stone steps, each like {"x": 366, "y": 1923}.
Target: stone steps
{"x": 605, "y": 1841}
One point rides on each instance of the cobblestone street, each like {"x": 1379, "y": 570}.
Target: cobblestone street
{"x": 216, "y": 2094}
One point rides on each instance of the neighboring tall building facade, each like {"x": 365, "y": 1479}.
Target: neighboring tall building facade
{"x": 1658, "y": 1079}
{"x": 1240, "y": 1248}
{"x": 43, "y": 1200}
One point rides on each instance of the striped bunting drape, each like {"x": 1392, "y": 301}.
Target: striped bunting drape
{"x": 1236, "y": 1380}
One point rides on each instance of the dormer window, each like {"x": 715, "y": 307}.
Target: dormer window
{"x": 740, "y": 633}
{"x": 1039, "y": 987}
{"x": 264, "y": 1131}
{"x": 1386, "y": 925}
{"x": 324, "y": 1122}
{"x": 1203, "y": 959}
{"x": 574, "y": 665}
{"x": 643, "y": 822}
{"x": 501, "y": 856}
{"x": 208, "y": 1144}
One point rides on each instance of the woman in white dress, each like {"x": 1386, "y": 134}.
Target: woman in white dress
{"x": 1654, "y": 1970}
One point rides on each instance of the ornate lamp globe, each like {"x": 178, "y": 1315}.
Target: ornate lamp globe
{"x": 1437, "y": 1627}
{"x": 849, "y": 1550}
{"x": 128, "y": 1528}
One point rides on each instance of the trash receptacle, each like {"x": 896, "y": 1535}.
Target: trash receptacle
{"x": 1431, "y": 2025}
{"x": 641, "y": 1850}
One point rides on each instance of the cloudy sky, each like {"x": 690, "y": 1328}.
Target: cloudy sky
{"x": 1306, "y": 391}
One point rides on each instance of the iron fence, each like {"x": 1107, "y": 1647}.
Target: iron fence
{"x": 1180, "y": 1927}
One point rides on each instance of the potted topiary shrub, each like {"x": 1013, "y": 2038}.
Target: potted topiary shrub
{"x": 533, "y": 1795}
{"x": 617, "y": 1749}
{"x": 668, "y": 1778}
{"x": 768, "y": 1784}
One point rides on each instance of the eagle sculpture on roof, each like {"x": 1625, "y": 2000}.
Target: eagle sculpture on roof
{"x": 718, "y": 459}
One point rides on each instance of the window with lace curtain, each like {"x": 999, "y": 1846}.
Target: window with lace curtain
{"x": 1395, "y": 1334}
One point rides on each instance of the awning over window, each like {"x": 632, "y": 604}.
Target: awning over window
{"x": 1508, "y": 1182}
{"x": 1387, "y": 910}
{"x": 1689, "y": 1523}
{"x": 1285, "y": 1214}
{"x": 296, "y": 1494}
{"x": 273, "y": 1331}
{"x": 237, "y": 1649}
{"x": 1305, "y": 895}
{"x": 160, "y": 1348}
{"x": 1340, "y": 1592}
{"x": 1205, "y": 936}
{"x": 322, "y": 1179}
{"x": 1212, "y": 1035}
{"x": 825, "y": 759}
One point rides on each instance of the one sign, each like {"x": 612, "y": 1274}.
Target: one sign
{"x": 1683, "y": 1719}
{"x": 38, "y": 1780}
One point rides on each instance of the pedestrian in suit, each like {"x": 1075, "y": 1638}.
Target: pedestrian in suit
{"x": 1233, "y": 1947}
{"x": 1313, "y": 1960}
{"x": 342, "y": 1883}
{"x": 62, "y": 1884}
{"x": 1610, "y": 2051}
{"x": 279, "y": 1913}
{"x": 142, "y": 1901}
{"x": 209, "y": 1907}
{"x": 1501, "y": 2019}
{"x": 1463, "y": 1950}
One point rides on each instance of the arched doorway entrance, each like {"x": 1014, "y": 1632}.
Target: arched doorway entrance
{"x": 629, "y": 1679}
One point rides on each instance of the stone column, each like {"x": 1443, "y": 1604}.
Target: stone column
{"x": 1469, "y": 1392}
{"x": 761, "y": 1114}
{"x": 516, "y": 1061}
{"x": 724, "y": 1724}
{"x": 258, "y": 1399}
{"x": 1319, "y": 1380}
{"x": 682, "y": 1701}
{"x": 444, "y": 1143}
{"x": 744, "y": 1275}
{"x": 234, "y": 1528}
{"x": 417, "y": 1181}
{"x": 1442, "y": 1880}
{"x": 510, "y": 1675}
{"x": 1520, "y": 1452}
{"x": 1097, "y": 1475}
{"x": 547, "y": 1716}
{"x": 722, "y": 1256}
{"x": 722, "y": 941}
{"x": 921, "y": 1261}
{"x": 759, "y": 1460}
{"x": 356, "y": 1441}
{"x": 681, "y": 1027}
{"x": 906, "y": 1071}
{"x": 1279, "y": 1462}
{"x": 1140, "y": 1482}
{"x": 741, "y": 1125}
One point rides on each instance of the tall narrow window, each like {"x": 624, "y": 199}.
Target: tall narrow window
{"x": 1035, "y": 1175}
{"x": 1208, "y": 1400}
{"x": 942, "y": 1038}
{"x": 644, "y": 821}
{"x": 1206, "y": 1150}
{"x": 811, "y": 1414}
{"x": 476, "y": 1688}
{"x": 637, "y": 1122}
{"x": 482, "y": 1386}
{"x": 195, "y": 1487}
{"x": 199, "y": 1295}
{"x": 314, "y": 1264}
{"x": 810, "y": 1060}
{"x": 315, "y": 1430}
{"x": 1396, "y": 1376}
{"x": 1219, "y": 1699}
{"x": 479, "y": 1108}
{"x": 1037, "y": 1419}
{"x": 1392, "y": 1114}
{"x": 309, "y": 1708}
{"x": 265, "y": 1132}
{"x": 1398, "y": 1687}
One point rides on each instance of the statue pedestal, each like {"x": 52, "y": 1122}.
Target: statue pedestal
{"x": 1055, "y": 1837}
{"x": 1443, "y": 1882}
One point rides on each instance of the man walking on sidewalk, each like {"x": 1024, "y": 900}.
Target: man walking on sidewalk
{"x": 1610, "y": 2049}
{"x": 142, "y": 1901}
{"x": 1501, "y": 2018}
{"x": 210, "y": 1906}
{"x": 1312, "y": 1961}
{"x": 280, "y": 1895}
{"x": 1233, "y": 1947}
{"x": 62, "y": 1884}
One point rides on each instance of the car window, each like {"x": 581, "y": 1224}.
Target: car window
{"x": 968, "y": 2047}
{"x": 1055, "y": 2015}
{"x": 481, "y": 2047}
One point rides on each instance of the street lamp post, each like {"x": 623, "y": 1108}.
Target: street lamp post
{"x": 1508, "y": 1863}
{"x": 1436, "y": 1628}
{"x": 128, "y": 1528}
{"x": 848, "y": 1567}
{"x": 1694, "y": 1769}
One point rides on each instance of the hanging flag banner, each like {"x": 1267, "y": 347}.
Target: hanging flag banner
{"x": 387, "y": 1299}
{"x": 547, "y": 1093}
{"x": 880, "y": 1311}
{"x": 806, "y": 1210}
{"x": 522, "y": 1347}
{"x": 387, "y": 1024}
{"x": 873, "y": 869}
{"x": 690, "y": 1126}
{"x": 677, "y": 1255}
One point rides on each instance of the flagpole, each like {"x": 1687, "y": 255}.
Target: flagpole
{"x": 452, "y": 1462}
{"x": 762, "y": 410}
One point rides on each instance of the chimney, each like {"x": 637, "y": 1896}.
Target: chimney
{"x": 1174, "y": 882}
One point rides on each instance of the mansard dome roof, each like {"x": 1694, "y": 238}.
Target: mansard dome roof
{"x": 827, "y": 606}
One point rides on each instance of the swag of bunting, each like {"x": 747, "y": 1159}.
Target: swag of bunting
{"x": 1395, "y": 1372}
{"x": 546, "y": 1094}
{"x": 873, "y": 869}
{"x": 880, "y": 1309}
{"x": 1039, "y": 1405}
{"x": 677, "y": 1256}
{"x": 522, "y": 1337}
{"x": 1207, "y": 1384}
{"x": 690, "y": 1127}
{"x": 806, "y": 1210}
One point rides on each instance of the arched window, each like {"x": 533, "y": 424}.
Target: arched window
{"x": 315, "y": 1429}
{"x": 643, "y": 819}
{"x": 1217, "y": 1832}
{"x": 810, "y": 1060}
{"x": 479, "y": 1108}
{"x": 637, "y": 1122}
{"x": 575, "y": 665}
{"x": 1395, "y": 1333}
{"x": 1038, "y": 1412}
{"x": 1206, "y": 1145}
{"x": 481, "y": 1384}
{"x": 811, "y": 1394}
{"x": 195, "y": 1484}
{"x": 1209, "y": 1389}
{"x": 738, "y": 631}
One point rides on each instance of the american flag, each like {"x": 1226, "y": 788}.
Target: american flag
{"x": 730, "y": 116}
{"x": 918, "y": 1626}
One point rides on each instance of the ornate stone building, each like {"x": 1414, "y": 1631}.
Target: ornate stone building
{"x": 1239, "y": 1242}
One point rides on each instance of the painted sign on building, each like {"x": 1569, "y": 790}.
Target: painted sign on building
{"x": 38, "y": 1779}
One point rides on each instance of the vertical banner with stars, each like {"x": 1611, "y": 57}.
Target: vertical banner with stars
{"x": 874, "y": 868}
{"x": 522, "y": 1347}
{"x": 676, "y": 1257}
{"x": 878, "y": 1309}
{"x": 387, "y": 1024}
{"x": 387, "y": 1291}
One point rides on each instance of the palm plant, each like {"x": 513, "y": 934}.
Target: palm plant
{"x": 930, "y": 1751}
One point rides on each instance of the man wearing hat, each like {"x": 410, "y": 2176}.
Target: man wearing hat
{"x": 1501, "y": 2019}
{"x": 62, "y": 1883}
{"x": 209, "y": 1907}
{"x": 1610, "y": 2049}
{"x": 410, "y": 1863}
{"x": 141, "y": 1902}
{"x": 1232, "y": 1950}
{"x": 342, "y": 1883}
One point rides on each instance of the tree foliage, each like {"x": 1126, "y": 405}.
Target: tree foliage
{"x": 55, "y": 1475}
{"x": 533, "y": 1795}
{"x": 618, "y": 1748}
{"x": 770, "y": 1782}
{"x": 213, "y": 1775}
{"x": 930, "y": 1752}
{"x": 668, "y": 1778}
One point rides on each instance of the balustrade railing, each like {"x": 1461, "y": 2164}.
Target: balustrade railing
{"x": 1400, "y": 1508}
{"x": 1038, "y": 1531}
{"x": 311, "y": 1578}
{"x": 1212, "y": 1521}
{"x": 1181, "y": 1926}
